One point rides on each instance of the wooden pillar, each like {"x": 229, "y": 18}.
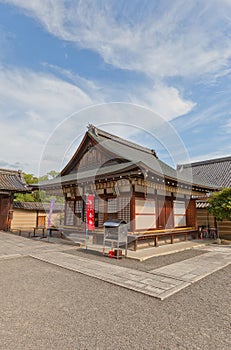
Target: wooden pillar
{"x": 191, "y": 218}
{"x": 132, "y": 210}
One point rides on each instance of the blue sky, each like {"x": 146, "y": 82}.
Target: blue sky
{"x": 61, "y": 58}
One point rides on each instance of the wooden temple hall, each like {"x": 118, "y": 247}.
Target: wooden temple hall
{"x": 128, "y": 182}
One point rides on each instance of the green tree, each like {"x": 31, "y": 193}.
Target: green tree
{"x": 50, "y": 175}
{"x": 24, "y": 197}
{"x": 220, "y": 204}
{"x": 28, "y": 197}
{"x": 38, "y": 195}
{"x": 30, "y": 178}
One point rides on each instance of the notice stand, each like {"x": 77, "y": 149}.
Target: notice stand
{"x": 115, "y": 233}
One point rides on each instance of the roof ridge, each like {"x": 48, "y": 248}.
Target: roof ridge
{"x": 30, "y": 202}
{"x": 99, "y": 132}
{"x": 205, "y": 162}
{"x": 9, "y": 171}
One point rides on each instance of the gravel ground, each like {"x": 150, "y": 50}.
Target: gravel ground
{"x": 47, "y": 307}
{"x": 147, "y": 265}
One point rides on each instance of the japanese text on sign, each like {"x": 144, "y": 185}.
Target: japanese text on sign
{"x": 90, "y": 212}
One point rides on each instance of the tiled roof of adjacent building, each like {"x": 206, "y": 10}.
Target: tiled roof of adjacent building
{"x": 12, "y": 181}
{"x": 216, "y": 171}
{"x": 202, "y": 204}
{"x": 38, "y": 206}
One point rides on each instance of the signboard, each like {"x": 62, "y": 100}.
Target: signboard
{"x": 90, "y": 212}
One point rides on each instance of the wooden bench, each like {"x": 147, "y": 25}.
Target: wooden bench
{"x": 50, "y": 230}
{"x": 155, "y": 237}
{"x": 62, "y": 230}
{"x": 20, "y": 230}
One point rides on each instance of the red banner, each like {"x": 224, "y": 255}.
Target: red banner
{"x": 90, "y": 212}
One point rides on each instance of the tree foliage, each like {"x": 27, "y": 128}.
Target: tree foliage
{"x": 37, "y": 195}
{"x": 220, "y": 204}
{"x": 50, "y": 175}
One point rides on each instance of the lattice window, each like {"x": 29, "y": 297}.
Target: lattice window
{"x": 79, "y": 206}
{"x": 79, "y": 212}
{"x": 96, "y": 205}
{"x": 124, "y": 209}
{"x": 112, "y": 205}
{"x": 70, "y": 213}
{"x": 101, "y": 212}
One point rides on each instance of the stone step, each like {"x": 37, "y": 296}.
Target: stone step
{"x": 78, "y": 238}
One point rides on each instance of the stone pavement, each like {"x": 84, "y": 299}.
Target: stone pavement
{"x": 159, "y": 283}
{"x": 17, "y": 246}
{"x": 147, "y": 253}
{"x": 194, "y": 269}
{"x": 147, "y": 283}
{"x": 144, "y": 254}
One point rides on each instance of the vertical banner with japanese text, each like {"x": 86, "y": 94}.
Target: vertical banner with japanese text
{"x": 90, "y": 212}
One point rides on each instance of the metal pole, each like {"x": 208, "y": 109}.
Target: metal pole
{"x": 86, "y": 239}
{"x": 86, "y": 224}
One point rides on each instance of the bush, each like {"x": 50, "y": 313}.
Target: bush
{"x": 220, "y": 204}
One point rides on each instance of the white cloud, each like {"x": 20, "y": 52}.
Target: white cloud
{"x": 227, "y": 127}
{"x": 160, "y": 39}
{"x": 41, "y": 91}
{"x": 76, "y": 79}
{"x": 164, "y": 100}
{"x": 31, "y": 105}
{"x": 40, "y": 97}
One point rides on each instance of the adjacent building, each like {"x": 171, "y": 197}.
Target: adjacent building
{"x": 11, "y": 182}
{"x": 218, "y": 172}
{"x": 30, "y": 215}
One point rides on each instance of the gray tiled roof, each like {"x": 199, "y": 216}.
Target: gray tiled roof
{"x": 138, "y": 154}
{"x": 13, "y": 181}
{"x": 216, "y": 171}
{"x": 134, "y": 156}
{"x": 37, "y": 206}
{"x": 202, "y": 204}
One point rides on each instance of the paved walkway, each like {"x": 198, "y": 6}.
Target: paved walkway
{"x": 16, "y": 246}
{"x": 159, "y": 283}
{"x": 144, "y": 254}
{"x": 147, "y": 253}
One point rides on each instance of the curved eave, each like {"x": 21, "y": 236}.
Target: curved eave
{"x": 12, "y": 190}
{"x": 87, "y": 176}
{"x": 178, "y": 179}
